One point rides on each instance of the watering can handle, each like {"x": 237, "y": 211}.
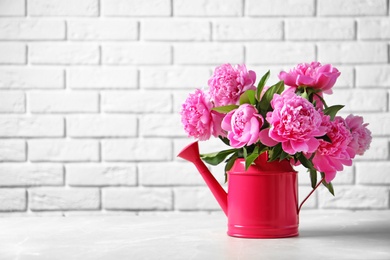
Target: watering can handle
{"x": 318, "y": 184}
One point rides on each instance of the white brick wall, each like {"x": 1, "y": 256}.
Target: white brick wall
{"x": 90, "y": 92}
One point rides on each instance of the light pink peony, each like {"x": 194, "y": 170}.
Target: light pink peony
{"x": 294, "y": 122}
{"x": 331, "y": 156}
{"x": 314, "y": 75}
{"x": 196, "y": 115}
{"x": 243, "y": 125}
{"x": 228, "y": 83}
{"x": 361, "y": 136}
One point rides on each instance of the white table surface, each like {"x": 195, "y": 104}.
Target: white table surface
{"x": 323, "y": 235}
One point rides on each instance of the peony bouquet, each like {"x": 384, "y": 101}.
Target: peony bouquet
{"x": 289, "y": 120}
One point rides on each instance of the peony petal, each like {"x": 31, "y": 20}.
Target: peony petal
{"x": 265, "y": 139}
{"x": 299, "y": 146}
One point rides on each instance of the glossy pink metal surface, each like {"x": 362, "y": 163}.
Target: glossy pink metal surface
{"x": 262, "y": 202}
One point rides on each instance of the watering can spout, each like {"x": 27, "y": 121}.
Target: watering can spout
{"x": 191, "y": 154}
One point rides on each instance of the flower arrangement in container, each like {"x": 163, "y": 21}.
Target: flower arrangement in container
{"x": 289, "y": 120}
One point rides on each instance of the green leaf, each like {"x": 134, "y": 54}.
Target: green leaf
{"x": 248, "y": 97}
{"x": 264, "y": 103}
{"x": 305, "y": 162}
{"x": 313, "y": 177}
{"x": 332, "y": 111}
{"x": 329, "y": 185}
{"x": 224, "y": 140}
{"x": 261, "y": 84}
{"x": 283, "y": 156}
{"x": 253, "y": 156}
{"x": 275, "y": 152}
{"x": 216, "y": 158}
{"x": 225, "y": 109}
{"x": 229, "y": 164}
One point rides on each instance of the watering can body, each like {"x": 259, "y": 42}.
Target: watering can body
{"x": 262, "y": 201}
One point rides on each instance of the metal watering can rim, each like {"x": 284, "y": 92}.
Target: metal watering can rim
{"x": 191, "y": 154}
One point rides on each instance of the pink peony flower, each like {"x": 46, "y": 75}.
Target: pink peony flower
{"x": 315, "y": 75}
{"x": 228, "y": 83}
{"x": 196, "y": 115}
{"x": 294, "y": 122}
{"x": 331, "y": 156}
{"x": 243, "y": 125}
{"x": 361, "y": 136}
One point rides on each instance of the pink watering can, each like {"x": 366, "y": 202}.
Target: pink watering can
{"x": 262, "y": 202}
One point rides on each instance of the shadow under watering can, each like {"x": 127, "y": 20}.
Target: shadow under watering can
{"x": 262, "y": 201}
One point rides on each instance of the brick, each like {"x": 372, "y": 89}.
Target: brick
{"x": 346, "y": 176}
{"x": 347, "y": 77}
{"x": 102, "y": 78}
{"x": 194, "y": 199}
{"x": 353, "y": 52}
{"x": 63, "y": 102}
{"x": 247, "y": 29}
{"x": 178, "y": 99}
{"x": 12, "y": 150}
{"x": 351, "y": 7}
{"x": 175, "y": 30}
{"x": 379, "y": 123}
{"x": 320, "y": 29}
{"x": 101, "y": 175}
{"x": 58, "y": 150}
{"x": 212, "y": 145}
{"x": 184, "y": 77}
{"x": 280, "y": 8}
{"x": 12, "y": 8}
{"x": 103, "y": 29}
{"x": 279, "y": 53}
{"x": 207, "y": 53}
{"x": 63, "y": 8}
{"x": 168, "y": 174}
{"x": 12, "y": 102}
{"x": 160, "y": 125}
{"x": 31, "y": 174}
{"x": 374, "y": 28}
{"x": 373, "y": 173}
{"x": 136, "y": 8}
{"x": 13, "y": 200}
{"x": 356, "y": 100}
{"x": 137, "y": 199}
{"x": 31, "y": 78}
{"x": 31, "y": 126}
{"x": 143, "y": 54}
{"x": 101, "y": 125}
{"x": 207, "y": 8}
{"x": 12, "y": 53}
{"x": 32, "y": 29}
{"x": 64, "y": 53}
{"x": 136, "y": 101}
{"x": 379, "y": 149}
{"x": 136, "y": 149}
{"x": 373, "y": 76}
{"x": 64, "y": 199}
{"x": 355, "y": 197}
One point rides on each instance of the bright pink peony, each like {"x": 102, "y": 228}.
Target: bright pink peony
{"x": 361, "y": 136}
{"x": 196, "y": 115}
{"x": 315, "y": 75}
{"x": 294, "y": 122}
{"x": 243, "y": 126}
{"x": 228, "y": 83}
{"x": 331, "y": 156}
